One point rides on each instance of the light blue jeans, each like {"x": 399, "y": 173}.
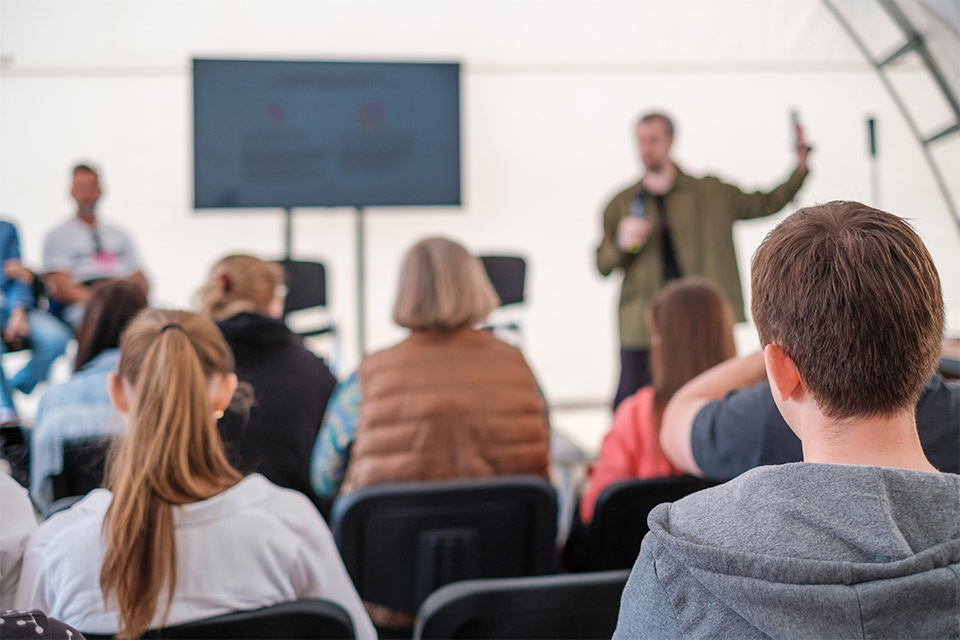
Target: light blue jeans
{"x": 48, "y": 340}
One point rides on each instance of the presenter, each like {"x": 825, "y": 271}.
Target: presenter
{"x": 84, "y": 250}
{"x": 669, "y": 225}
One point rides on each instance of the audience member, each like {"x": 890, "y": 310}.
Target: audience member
{"x": 19, "y": 523}
{"x": 81, "y": 407}
{"x": 860, "y": 539}
{"x": 23, "y": 324}
{"x": 691, "y": 329}
{"x": 84, "y": 250}
{"x": 290, "y": 385}
{"x": 24, "y": 625}
{"x": 449, "y": 401}
{"x": 180, "y": 535}
{"x": 725, "y": 422}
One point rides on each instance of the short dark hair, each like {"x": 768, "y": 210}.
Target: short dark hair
{"x": 85, "y": 168}
{"x": 656, "y": 115}
{"x": 851, "y": 294}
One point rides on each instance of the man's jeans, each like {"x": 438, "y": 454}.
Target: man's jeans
{"x": 48, "y": 340}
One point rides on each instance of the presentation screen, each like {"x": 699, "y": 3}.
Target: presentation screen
{"x": 271, "y": 133}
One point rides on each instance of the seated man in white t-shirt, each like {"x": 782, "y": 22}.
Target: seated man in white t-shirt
{"x": 83, "y": 250}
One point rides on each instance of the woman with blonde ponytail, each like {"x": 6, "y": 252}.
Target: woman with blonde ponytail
{"x": 180, "y": 535}
{"x": 286, "y": 386}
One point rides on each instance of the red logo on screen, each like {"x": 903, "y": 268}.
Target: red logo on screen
{"x": 277, "y": 116}
{"x": 369, "y": 116}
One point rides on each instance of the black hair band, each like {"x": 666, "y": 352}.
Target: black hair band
{"x": 173, "y": 325}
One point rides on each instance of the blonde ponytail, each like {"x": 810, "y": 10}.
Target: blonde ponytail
{"x": 240, "y": 283}
{"x": 171, "y": 455}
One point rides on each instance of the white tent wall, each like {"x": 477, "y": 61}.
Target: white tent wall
{"x": 550, "y": 94}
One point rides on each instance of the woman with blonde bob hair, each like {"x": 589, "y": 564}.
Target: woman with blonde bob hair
{"x": 286, "y": 386}
{"x": 180, "y": 535}
{"x": 449, "y": 401}
{"x": 691, "y": 327}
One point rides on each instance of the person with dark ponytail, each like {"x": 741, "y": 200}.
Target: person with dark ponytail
{"x": 179, "y": 535}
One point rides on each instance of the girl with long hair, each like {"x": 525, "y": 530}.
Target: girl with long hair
{"x": 691, "y": 330}
{"x": 180, "y": 535}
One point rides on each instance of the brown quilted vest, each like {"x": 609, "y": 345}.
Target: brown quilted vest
{"x": 438, "y": 406}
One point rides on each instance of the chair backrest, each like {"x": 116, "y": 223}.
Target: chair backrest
{"x": 84, "y": 462}
{"x": 400, "y": 542}
{"x": 583, "y": 605}
{"x": 299, "y": 619}
{"x": 508, "y": 276}
{"x": 619, "y": 522}
{"x": 306, "y": 285}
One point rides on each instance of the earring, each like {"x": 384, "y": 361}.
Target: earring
{"x": 218, "y": 414}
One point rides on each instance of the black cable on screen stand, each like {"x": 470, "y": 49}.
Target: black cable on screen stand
{"x": 361, "y": 285}
{"x": 874, "y": 169}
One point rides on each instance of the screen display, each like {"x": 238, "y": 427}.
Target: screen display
{"x": 271, "y": 133}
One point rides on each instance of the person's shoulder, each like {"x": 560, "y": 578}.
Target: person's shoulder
{"x": 79, "y": 525}
{"x": 639, "y": 402}
{"x": 66, "y": 229}
{"x": 625, "y": 194}
{"x": 939, "y": 387}
{"x": 15, "y": 500}
{"x": 757, "y": 486}
{"x": 687, "y": 182}
{"x": 85, "y": 386}
{"x": 286, "y": 505}
{"x": 109, "y": 227}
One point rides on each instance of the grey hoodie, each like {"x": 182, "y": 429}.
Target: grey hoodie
{"x": 802, "y": 550}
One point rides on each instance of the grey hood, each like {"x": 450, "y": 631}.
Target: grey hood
{"x": 803, "y": 551}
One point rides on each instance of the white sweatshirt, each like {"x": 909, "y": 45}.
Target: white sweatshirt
{"x": 253, "y": 545}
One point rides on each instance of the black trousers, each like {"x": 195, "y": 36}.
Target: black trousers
{"x": 634, "y": 373}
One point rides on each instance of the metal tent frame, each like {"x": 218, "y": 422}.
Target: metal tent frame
{"x": 913, "y": 41}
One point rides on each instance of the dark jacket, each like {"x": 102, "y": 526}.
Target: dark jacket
{"x": 701, "y": 212}
{"x": 291, "y": 387}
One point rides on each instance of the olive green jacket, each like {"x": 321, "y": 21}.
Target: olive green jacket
{"x": 701, "y": 212}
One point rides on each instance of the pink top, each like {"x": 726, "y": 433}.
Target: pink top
{"x": 630, "y": 450}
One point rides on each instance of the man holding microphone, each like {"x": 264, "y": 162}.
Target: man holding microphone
{"x": 670, "y": 225}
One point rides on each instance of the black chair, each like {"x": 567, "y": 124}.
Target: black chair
{"x": 612, "y": 539}
{"x": 305, "y": 619}
{"x": 15, "y": 449}
{"x": 307, "y": 293}
{"x": 84, "y": 462}
{"x": 583, "y": 605}
{"x": 400, "y": 542}
{"x": 508, "y": 276}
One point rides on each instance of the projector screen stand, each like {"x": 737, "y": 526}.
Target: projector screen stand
{"x": 288, "y": 233}
{"x": 361, "y": 283}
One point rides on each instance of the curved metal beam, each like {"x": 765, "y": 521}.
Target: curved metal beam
{"x": 914, "y": 42}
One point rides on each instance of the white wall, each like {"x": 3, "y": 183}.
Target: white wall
{"x": 550, "y": 92}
